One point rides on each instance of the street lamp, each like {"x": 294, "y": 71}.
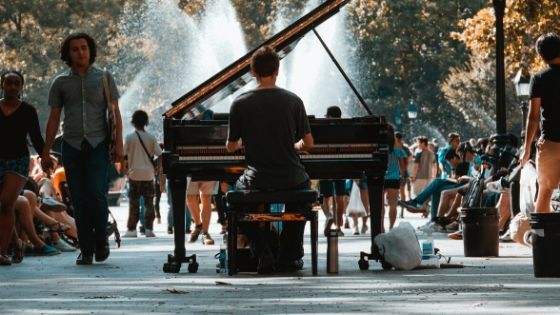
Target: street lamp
{"x": 412, "y": 110}
{"x": 522, "y": 82}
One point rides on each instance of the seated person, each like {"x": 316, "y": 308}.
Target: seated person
{"x": 273, "y": 125}
{"x": 434, "y": 189}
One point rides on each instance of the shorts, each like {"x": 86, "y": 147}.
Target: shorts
{"x": 392, "y": 184}
{"x": 548, "y": 159}
{"x": 203, "y": 188}
{"x": 19, "y": 166}
{"x": 326, "y": 187}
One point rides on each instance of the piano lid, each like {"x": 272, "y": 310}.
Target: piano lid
{"x": 236, "y": 75}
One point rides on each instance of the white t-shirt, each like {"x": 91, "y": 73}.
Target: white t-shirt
{"x": 140, "y": 168}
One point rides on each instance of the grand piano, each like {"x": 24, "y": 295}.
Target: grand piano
{"x": 344, "y": 148}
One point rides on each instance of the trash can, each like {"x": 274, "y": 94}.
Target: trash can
{"x": 480, "y": 232}
{"x": 545, "y": 238}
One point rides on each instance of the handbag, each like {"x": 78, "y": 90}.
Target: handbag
{"x": 111, "y": 122}
{"x": 154, "y": 161}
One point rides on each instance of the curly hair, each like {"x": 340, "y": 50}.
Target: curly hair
{"x": 65, "y": 47}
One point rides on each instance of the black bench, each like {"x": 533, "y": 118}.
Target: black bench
{"x": 238, "y": 211}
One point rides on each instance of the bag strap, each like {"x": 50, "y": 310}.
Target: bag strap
{"x": 106, "y": 91}
{"x": 143, "y": 146}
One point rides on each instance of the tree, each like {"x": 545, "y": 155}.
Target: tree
{"x": 407, "y": 52}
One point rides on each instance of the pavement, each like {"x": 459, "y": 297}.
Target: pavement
{"x": 131, "y": 281}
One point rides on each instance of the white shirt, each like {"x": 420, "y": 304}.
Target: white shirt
{"x": 140, "y": 168}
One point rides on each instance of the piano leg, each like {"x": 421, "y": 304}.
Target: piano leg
{"x": 375, "y": 192}
{"x": 177, "y": 190}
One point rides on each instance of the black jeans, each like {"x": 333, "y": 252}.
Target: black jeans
{"x": 86, "y": 174}
{"x": 291, "y": 237}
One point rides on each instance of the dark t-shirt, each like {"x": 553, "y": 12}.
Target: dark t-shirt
{"x": 14, "y": 130}
{"x": 546, "y": 86}
{"x": 269, "y": 122}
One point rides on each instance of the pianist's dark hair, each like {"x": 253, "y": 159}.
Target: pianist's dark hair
{"x": 65, "y": 47}
{"x": 265, "y": 61}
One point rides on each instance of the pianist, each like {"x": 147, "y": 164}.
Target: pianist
{"x": 273, "y": 126}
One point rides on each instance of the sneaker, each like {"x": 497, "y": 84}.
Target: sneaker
{"x": 456, "y": 236}
{"x": 346, "y": 224}
{"x": 142, "y": 230}
{"x": 411, "y": 204}
{"x": 364, "y": 228}
{"x": 169, "y": 230}
{"x": 506, "y": 238}
{"x": 150, "y": 233}
{"x": 62, "y": 246}
{"x": 425, "y": 227}
{"x": 207, "y": 239}
{"x": 452, "y": 227}
{"x": 46, "y": 250}
{"x": 84, "y": 259}
{"x": 195, "y": 233}
{"x": 339, "y": 232}
{"x": 130, "y": 234}
{"x": 356, "y": 230}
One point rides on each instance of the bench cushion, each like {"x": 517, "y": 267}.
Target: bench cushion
{"x": 282, "y": 196}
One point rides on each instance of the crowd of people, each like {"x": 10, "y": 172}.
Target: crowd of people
{"x": 57, "y": 200}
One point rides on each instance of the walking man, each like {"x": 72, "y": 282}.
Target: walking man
{"x": 79, "y": 91}
{"x": 544, "y": 108}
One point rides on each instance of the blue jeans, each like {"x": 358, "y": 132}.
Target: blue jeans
{"x": 86, "y": 174}
{"x": 170, "y": 212}
{"x": 434, "y": 190}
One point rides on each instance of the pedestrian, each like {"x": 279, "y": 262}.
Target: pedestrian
{"x": 140, "y": 148}
{"x": 544, "y": 109}
{"x": 79, "y": 92}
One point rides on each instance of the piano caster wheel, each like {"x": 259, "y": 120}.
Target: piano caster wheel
{"x": 172, "y": 267}
{"x": 193, "y": 267}
{"x": 385, "y": 265}
{"x": 363, "y": 264}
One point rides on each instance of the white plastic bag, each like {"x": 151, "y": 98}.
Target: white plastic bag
{"x": 355, "y": 205}
{"x": 400, "y": 247}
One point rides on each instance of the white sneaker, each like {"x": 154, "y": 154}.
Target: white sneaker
{"x": 130, "y": 234}
{"x": 150, "y": 233}
{"x": 425, "y": 226}
{"x": 356, "y": 230}
{"x": 62, "y": 246}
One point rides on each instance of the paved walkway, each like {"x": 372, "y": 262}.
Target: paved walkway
{"x": 131, "y": 281}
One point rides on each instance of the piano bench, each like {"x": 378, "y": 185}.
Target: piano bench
{"x": 243, "y": 207}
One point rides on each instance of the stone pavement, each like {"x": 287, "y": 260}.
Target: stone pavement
{"x": 131, "y": 281}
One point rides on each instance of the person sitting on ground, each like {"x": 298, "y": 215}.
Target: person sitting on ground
{"x": 140, "y": 147}
{"x": 434, "y": 189}
{"x": 274, "y": 127}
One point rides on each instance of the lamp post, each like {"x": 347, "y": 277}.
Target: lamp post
{"x": 522, "y": 82}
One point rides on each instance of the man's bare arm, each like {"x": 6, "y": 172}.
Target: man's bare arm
{"x": 233, "y": 146}
{"x": 52, "y": 127}
{"x": 305, "y": 144}
{"x": 533, "y": 121}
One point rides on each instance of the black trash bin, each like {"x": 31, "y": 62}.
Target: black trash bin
{"x": 545, "y": 238}
{"x": 480, "y": 232}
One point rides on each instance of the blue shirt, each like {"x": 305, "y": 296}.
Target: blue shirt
{"x": 393, "y": 169}
{"x": 443, "y": 161}
{"x": 84, "y": 104}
